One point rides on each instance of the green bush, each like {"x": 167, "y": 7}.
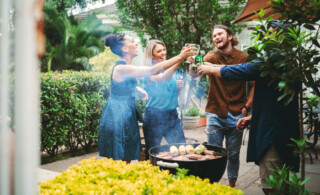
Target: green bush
{"x": 71, "y": 107}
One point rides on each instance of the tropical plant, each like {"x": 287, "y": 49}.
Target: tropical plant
{"x": 178, "y": 22}
{"x": 69, "y": 46}
{"x": 299, "y": 47}
{"x": 284, "y": 181}
{"x": 297, "y": 52}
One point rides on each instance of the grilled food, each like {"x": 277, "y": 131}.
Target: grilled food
{"x": 200, "y": 148}
{"x": 182, "y": 149}
{"x": 194, "y": 156}
{"x": 189, "y": 149}
{"x": 174, "y": 151}
{"x": 165, "y": 155}
{"x": 209, "y": 152}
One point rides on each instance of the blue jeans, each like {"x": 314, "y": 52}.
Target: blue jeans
{"x": 219, "y": 128}
{"x": 159, "y": 123}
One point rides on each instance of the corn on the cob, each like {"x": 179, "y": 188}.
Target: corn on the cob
{"x": 174, "y": 150}
{"x": 182, "y": 149}
{"x": 200, "y": 148}
{"x": 190, "y": 149}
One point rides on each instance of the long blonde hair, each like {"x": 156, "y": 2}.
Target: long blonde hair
{"x": 148, "y": 53}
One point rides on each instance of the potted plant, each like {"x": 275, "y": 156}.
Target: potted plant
{"x": 202, "y": 120}
{"x": 191, "y": 118}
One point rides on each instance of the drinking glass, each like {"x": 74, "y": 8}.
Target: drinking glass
{"x": 196, "y": 52}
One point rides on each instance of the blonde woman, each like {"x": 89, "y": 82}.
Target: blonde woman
{"x": 161, "y": 117}
{"x": 119, "y": 137}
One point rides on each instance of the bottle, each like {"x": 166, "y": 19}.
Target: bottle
{"x": 199, "y": 59}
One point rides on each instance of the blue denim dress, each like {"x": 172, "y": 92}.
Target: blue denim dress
{"x": 119, "y": 136}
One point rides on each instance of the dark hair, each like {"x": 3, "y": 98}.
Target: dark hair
{"x": 278, "y": 25}
{"x": 115, "y": 42}
{"x": 234, "y": 40}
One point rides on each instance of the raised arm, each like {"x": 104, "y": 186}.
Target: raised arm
{"x": 210, "y": 69}
{"x": 166, "y": 75}
{"x": 121, "y": 72}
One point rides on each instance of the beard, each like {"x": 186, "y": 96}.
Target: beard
{"x": 224, "y": 44}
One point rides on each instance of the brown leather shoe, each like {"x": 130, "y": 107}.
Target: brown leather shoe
{"x": 232, "y": 184}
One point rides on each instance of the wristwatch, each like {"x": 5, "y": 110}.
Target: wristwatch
{"x": 246, "y": 107}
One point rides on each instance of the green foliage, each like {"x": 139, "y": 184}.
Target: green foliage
{"x": 202, "y": 115}
{"x": 68, "y": 45}
{"x": 290, "y": 58}
{"x": 104, "y": 61}
{"x": 283, "y": 181}
{"x": 178, "y": 22}
{"x": 181, "y": 173}
{"x": 313, "y": 101}
{"x": 71, "y": 107}
{"x": 69, "y": 5}
{"x": 194, "y": 111}
{"x": 107, "y": 176}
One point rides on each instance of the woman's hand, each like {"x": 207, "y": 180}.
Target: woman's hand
{"x": 143, "y": 93}
{"x": 243, "y": 122}
{"x": 188, "y": 51}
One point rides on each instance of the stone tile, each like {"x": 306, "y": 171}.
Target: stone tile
{"x": 44, "y": 175}
{"x": 313, "y": 185}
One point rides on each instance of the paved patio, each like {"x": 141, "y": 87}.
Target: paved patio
{"x": 248, "y": 180}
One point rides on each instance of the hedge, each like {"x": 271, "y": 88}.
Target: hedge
{"x": 71, "y": 107}
{"x": 106, "y": 176}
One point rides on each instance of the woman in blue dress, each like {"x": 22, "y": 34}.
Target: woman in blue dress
{"x": 161, "y": 116}
{"x": 119, "y": 136}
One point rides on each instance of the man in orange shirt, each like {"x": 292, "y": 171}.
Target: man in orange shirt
{"x": 227, "y": 100}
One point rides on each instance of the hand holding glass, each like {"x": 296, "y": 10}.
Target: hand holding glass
{"x": 196, "y": 52}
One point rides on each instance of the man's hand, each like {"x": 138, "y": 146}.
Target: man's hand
{"x": 243, "y": 122}
{"x": 204, "y": 70}
{"x": 210, "y": 69}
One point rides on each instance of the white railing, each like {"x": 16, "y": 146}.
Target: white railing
{"x": 26, "y": 99}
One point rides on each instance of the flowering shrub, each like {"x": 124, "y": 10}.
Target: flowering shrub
{"x": 106, "y": 176}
